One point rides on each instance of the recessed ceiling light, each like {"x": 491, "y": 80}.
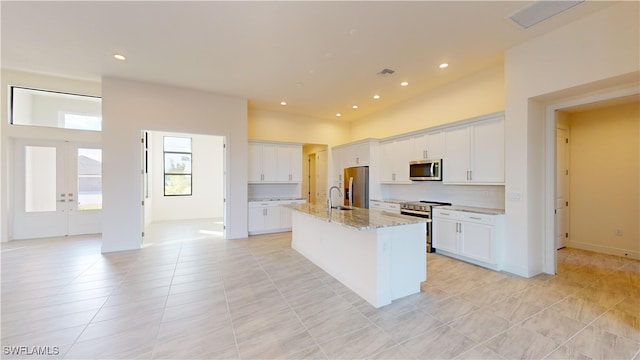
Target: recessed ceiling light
{"x": 355, "y": 106}
{"x": 376, "y": 96}
{"x": 444, "y": 66}
{"x": 119, "y": 57}
{"x": 338, "y": 114}
{"x": 404, "y": 83}
{"x": 283, "y": 103}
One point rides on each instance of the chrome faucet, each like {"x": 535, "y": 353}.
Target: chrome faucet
{"x": 339, "y": 193}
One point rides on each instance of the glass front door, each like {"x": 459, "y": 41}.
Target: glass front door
{"x": 57, "y": 189}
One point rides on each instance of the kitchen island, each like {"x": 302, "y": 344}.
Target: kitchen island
{"x": 377, "y": 254}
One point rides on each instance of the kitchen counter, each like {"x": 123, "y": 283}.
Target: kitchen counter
{"x": 276, "y": 199}
{"x": 393, "y": 201}
{"x": 478, "y": 210}
{"x": 379, "y": 255}
{"x": 357, "y": 218}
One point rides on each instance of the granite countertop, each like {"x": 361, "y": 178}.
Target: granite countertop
{"x": 276, "y": 199}
{"x": 478, "y": 210}
{"x": 358, "y": 218}
{"x": 393, "y": 201}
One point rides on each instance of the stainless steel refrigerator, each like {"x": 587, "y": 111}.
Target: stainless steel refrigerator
{"x": 356, "y": 186}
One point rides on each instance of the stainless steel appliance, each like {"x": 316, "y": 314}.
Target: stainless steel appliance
{"x": 356, "y": 186}
{"x": 423, "y": 170}
{"x": 422, "y": 209}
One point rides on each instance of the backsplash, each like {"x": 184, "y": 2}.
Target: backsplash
{"x": 486, "y": 196}
{"x": 271, "y": 191}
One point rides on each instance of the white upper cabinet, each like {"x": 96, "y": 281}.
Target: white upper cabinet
{"x": 357, "y": 155}
{"x": 394, "y": 160}
{"x": 429, "y": 145}
{"x": 474, "y": 153}
{"x": 274, "y": 163}
{"x": 487, "y": 152}
{"x": 289, "y": 163}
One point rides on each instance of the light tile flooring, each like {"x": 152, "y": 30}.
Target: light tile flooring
{"x": 257, "y": 298}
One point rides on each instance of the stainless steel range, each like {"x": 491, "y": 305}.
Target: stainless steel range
{"x": 422, "y": 209}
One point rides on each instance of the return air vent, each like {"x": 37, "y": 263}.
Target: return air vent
{"x": 540, "y": 11}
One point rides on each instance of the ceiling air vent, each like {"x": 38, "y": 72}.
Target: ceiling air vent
{"x": 540, "y": 11}
{"x": 385, "y": 72}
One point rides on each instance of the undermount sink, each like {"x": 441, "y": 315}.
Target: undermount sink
{"x": 340, "y": 207}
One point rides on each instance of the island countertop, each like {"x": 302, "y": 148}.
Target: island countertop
{"x": 357, "y": 218}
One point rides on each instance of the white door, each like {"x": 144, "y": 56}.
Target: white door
{"x": 57, "y": 189}
{"x": 457, "y": 146}
{"x": 321, "y": 177}
{"x": 562, "y": 188}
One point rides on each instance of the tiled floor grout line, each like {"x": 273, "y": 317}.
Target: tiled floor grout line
{"x": 233, "y": 329}
{"x": 164, "y": 307}
{"x": 289, "y": 304}
{"x": 115, "y": 288}
{"x": 515, "y": 324}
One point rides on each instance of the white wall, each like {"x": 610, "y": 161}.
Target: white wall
{"x": 206, "y": 200}
{"x": 10, "y": 132}
{"x": 471, "y": 96}
{"x": 605, "y": 142}
{"x": 599, "y": 50}
{"x": 128, "y": 107}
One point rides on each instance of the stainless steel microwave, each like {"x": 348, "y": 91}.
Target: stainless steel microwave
{"x": 426, "y": 170}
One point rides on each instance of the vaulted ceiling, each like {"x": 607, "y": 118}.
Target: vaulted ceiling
{"x": 321, "y": 58}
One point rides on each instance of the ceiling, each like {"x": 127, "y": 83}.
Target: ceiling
{"x": 320, "y": 57}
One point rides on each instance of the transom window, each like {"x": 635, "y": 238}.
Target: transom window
{"x": 177, "y": 166}
{"x": 54, "y": 109}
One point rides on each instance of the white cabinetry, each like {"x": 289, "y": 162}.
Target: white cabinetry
{"x": 385, "y": 206}
{"x": 429, "y": 145}
{"x": 357, "y": 154}
{"x": 349, "y": 155}
{"x": 394, "y": 161}
{"x": 469, "y": 236}
{"x": 474, "y": 153}
{"x": 275, "y": 163}
{"x": 270, "y": 216}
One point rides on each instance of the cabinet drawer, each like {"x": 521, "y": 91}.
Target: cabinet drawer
{"x": 393, "y": 207}
{"x": 446, "y": 214}
{"x": 478, "y": 218}
{"x": 378, "y": 205}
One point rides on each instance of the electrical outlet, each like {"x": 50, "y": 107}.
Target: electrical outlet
{"x": 618, "y": 232}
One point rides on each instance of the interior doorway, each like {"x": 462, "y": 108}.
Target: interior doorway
{"x": 562, "y": 185}
{"x": 57, "y": 188}
{"x": 314, "y": 179}
{"x": 553, "y": 180}
{"x": 184, "y": 187}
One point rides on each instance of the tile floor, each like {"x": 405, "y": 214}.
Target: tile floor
{"x": 256, "y": 298}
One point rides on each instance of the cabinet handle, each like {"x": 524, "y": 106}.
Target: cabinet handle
{"x": 357, "y": 160}
{"x": 470, "y": 175}
{"x": 475, "y": 218}
{"x": 393, "y": 177}
{"x": 426, "y": 154}
{"x": 445, "y": 214}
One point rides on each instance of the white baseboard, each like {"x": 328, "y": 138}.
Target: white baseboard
{"x": 632, "y": 254}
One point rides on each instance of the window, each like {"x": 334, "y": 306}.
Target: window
{"x": 177, "y": 166}
{"x": 89, "y": 179}
{"x": 54, "y": 109}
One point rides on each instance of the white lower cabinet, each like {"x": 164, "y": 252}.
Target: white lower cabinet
{"x": 473, "y": 237}
{"x": 385, "y": 206}
{"x": 270, "y": 216}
